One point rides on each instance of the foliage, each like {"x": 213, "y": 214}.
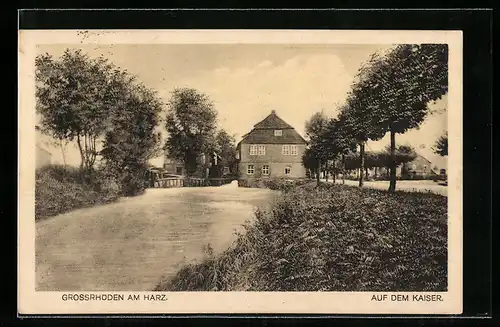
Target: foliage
{"x": 392, "y": 91}
{"x": 332, "y": 238}
{"x": 403, "y": 155}
{"x": 60, "y": 189}
{"x": 441, "y": 146}
{"x": 317, "y": 152}
{"x": 310, "y": 159}
{"x": 225, "y": 147}
{"x": 132, "y": 140}
{"x": 279, "y": 184}
{"x": 90, "y": 100}
{"x": 191, "y": 126}
{"x": 74, "y": 98}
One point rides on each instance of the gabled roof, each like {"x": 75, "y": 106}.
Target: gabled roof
{"x": 263, "y": 132}
{"x": 272, "y": 122}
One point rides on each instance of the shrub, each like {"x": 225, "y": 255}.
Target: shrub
{"x": 281, "y": 184}
{"x": 333, "y": 238}
{"x": 60, "y": 189}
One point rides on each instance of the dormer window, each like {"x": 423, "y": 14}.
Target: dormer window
{"x": 278, "y": 132}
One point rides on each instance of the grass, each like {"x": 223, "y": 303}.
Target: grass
{"x": 59, "y": 189}
{"x": 332, "y": 238}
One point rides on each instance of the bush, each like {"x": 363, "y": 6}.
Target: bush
{"x": 281, "y": 184}
{"x": 333, "y": 238}
{"x": 60, "y": 189}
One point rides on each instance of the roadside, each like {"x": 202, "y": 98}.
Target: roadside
{"x": 401, "y": 185}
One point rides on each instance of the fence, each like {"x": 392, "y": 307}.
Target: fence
{"x": 169, "y": 182}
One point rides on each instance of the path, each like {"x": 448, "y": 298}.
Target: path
{"x": 132, "y": 244}
{"x": 415, "y": 186}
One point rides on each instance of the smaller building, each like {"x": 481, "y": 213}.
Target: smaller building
{"x": 172, "y": 166}
{"x": 420, "y": 167}
{"x": 209, "y": 166}
{"x": 42, "y": 157}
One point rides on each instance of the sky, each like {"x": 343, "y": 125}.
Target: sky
{"x": 247, "y": 81}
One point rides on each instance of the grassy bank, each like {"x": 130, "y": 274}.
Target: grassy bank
{"x": 60, "y": 189}
{"x": 332, "y": 238}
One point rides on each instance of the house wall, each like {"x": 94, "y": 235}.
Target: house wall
{"x": 276, "y": 161}
{"x": 43, "y": 157}
{"x": 419, "y": 167}
{"x": 171, "y": 166}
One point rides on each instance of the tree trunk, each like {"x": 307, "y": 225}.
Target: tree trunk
{"x": 343, "y": 168}
{"x": 366, "y": 173}
{"x": 318, "y": 171}
{"x": 334, "y": 172}
{"x": 392, "y": 183}
{"x": 326, "y": 171}
{"x": 362, "y": 162}
{"x": 63, "y": 153}
{"x": 82, "y": 157}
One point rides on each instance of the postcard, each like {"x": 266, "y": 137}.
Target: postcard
{"x": 240, "y": 172}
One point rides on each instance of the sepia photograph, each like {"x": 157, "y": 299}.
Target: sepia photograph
{"x": 219, "y": 168}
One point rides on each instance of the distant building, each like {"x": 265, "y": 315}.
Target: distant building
{"x": 419, "y": 167}
{"x": 42, "y": 157}
{"x": 271, "y": 149}
{"x": 209, "y": 164}
{"x": 173, "y": 166}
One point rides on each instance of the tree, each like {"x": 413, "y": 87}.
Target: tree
{"x": 318, "y": 152}
{"x": 397, "y": 88}
{"x": 355, "y": 116}
{"x": 225, "y": 148}
{"x": 335, "y": 141}
{"x": 132, "y": 138}
{"x": 441, "y": 146}
{"x": 75, "y": 97}
{"x": 191, "y": 126}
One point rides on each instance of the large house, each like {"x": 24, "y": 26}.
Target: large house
{"x": 271, "y": 149}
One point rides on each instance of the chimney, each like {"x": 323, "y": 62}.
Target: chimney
{"x": 273, "y": 112}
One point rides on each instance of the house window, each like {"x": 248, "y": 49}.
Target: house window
{"x": 226, "y": 170}
{"x": 262, "y": 150}
{"x": 250, "y": 169}
{"x": 253, "y": 150}
{"x": 288, "y": 170}
{"x": 178, "y": 170}
{"x": 285, "y": 150}
{"x": 278, "y": 132}
{"x": 293, "y": 150}
{"x": 265, "y": 170}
